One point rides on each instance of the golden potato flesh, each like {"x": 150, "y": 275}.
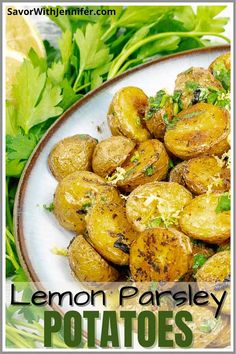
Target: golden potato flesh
{"x": 201, "y": 219}
{"x": 190, "y": 80}
{"x": 216, "y": 268}
{"x": 159, "y": 109}
{"x": 148, "y": 163}
{"x": 71, "y": 154}
{"x": 74, "y": 195}
{"x": 202, "y": 129}
{"x": 176, "y": 173}
{"x": 156, "y": 204}
{"x": 220, "y": 68}
{"x": 160, "y": 255}
{"x": 87, "y": 264}
{"x": 204, "y": 326}
{"x": 111, "y": 153}
{"x": 126, "y": 114}
{"x": 109, "y": 230}
{"x": 206, "y": 173}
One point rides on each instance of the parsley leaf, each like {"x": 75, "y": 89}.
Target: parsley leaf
{"x": 35, "y": 99}
{"x": 224, "y": 203}
{"x": 19, "y": 147}
{"x": 49, "y": 207}
{"x": 170, "y": 124}
{"x": 198, "y": 261}
{"x": 149, "y": 171}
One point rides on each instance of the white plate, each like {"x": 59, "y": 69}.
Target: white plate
{"x": 37, "y": 230}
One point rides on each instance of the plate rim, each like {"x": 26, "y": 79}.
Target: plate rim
{"x": 19, "y": 198}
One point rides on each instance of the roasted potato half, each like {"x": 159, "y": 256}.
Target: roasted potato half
{"x": 204, "y": 326}
{"x": 190, "y": 80}
{"x": 148, "y": 163}
{"x": 203, "y": 174}
{"x": 216, "y": 268}
{"x": 176, "y": 173}
{"x": 87, "y": 265}
{"x": 214, "y": 276}
{"x": 193, "y": 134}
{"x": 220, "y": 68}
{"x": 126, "y": 114}
{"x": 109, "y": 230}
{"x": 160, "y": 255}
{"x": 71, "y": 154}
{"x": 111, "y": 153}
{"x": 75, "y": 194}
{"x": 159, "y": 109}
{"x": 156, "y": 204}
{"x": 201, "y": 219}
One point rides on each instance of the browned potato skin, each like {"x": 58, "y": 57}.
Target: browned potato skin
{"x": 202, "y": 249}
{"x": 87, "y": 264}
{"x": 200, "y": 221}
{"x": 74, "y": 191}
{"x": 109, "y": 230}
{"x": 201, "y": 315}
{"x": 216, "y": 268}
{"x": 199, "y": 173}
{"x": 71, "y": 154}
{"x": 139, "y": 214}
{"x": 225, "y": 58}
{"x": 156, "y": 124}
{"x": 153, "y": 255}
{"x": 152, "y": 153}
{"x": 199, "y": 75}
{"x": 194, "y": 135}
{"x": 176, "y": 174}
{"x": 111, "y": 153}
{"x": 126, "y": 113}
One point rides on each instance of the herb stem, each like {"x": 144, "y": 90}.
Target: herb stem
{"x": 10, "y": 251}
{"x": 126, "y": 53}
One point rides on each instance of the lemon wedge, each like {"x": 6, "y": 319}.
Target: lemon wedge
{"x": 21, "y": 35}
{"x": 13, "y": 61}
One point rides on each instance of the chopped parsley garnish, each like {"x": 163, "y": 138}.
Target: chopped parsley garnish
{"x": 171, "y": 164}
{"x": 149, "y": 171}
{"x": 84, "y": 209}
{"x": 222, "y": 74}
{"x": 224, "y": 203}
{"x": 177, "y": 102}
{"x": 155, "y": 103}
{"x": 49, "y": 207}
{"x": 135, "y": 158}
{"x": 170, "y": 124}
{"x": 207, "y": 326}
{"x": 198, "y": 261}
{"x": 191, "y": 85}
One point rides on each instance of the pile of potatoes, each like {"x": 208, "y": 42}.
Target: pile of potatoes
{"x": 146, "y": 200}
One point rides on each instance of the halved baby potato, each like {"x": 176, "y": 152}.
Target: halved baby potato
{"x": 71, "y": 154}
{"x": 160, "y": 255}
{"x": 201, "y": 219}
{"x": 148, "y": 163}
{"x": 87, "y": 265}
{"x": 220, "y": 68}
{"x": 156, "y": 204}
{"x": 202, "y": 174}
{"x": 159, "y": 109}
{"x": 110, "y": 231}
{"x": 126, "y": 114}
{"x": 216, "y": 268}
{"x": 202, "y": 129}
{"x": 75, "y": 194}
{"x": 188, "y": 81}
{"x": 214, "y": 276}
{"x": 176, "y": 174}
{"x": 111, "y": 153}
